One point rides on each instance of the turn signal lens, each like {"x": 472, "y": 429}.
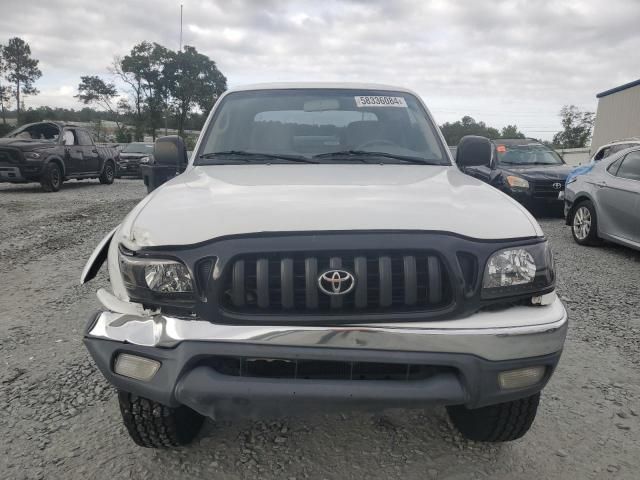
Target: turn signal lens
{"x": 523, "y": 377}
{"x": 132, "y": 366}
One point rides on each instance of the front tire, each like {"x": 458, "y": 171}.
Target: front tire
{"x": 502, "y": 422}
{"x": 584, "y": 224}
{"x": 154, "y": 425}
{"x": 51, "y": 179}
{"x": 108, "y": 174}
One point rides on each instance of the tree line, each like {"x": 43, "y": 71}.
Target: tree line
{"x": 159, "y": 85}
{"x": 153, "y": 87}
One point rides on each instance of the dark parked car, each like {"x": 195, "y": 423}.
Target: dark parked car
{"x": 51, "y": 152}
{"x": 130, "y": 157}
{"x": 527, "y": 170}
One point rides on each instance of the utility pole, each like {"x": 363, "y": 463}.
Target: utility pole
{"x": 180, "y": 27}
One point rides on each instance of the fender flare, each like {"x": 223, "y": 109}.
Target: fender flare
{"x": 57, "y": 160}
{"x": 97, "y": 258}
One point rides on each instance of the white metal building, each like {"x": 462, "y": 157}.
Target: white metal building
{"x": 618, "y": 114}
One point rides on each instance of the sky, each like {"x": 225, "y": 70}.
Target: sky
{"x": 502, "y": 62}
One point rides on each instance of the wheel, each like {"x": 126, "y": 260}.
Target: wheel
{"x": 153, "y": 425}
{"x": 108, "y": 173}
{"x": 51, "y": 179}
{"x": 502, "y": 422}
{"x": 584, "y": 224}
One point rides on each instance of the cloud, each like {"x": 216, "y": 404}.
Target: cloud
{"x": 503, "y": 62}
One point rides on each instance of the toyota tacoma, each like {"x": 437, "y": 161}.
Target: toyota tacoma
{"x": 322, "y": 251}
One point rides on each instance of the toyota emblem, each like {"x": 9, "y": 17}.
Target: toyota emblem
{"x": 557, "y": 185}
{"x": 336, "y": 282}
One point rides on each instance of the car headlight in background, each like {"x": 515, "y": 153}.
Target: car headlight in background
{"x": 32, "y": 155}
{"x": 144, "y": 160}
{"x": 156, "y": 281}
{"x": 519, "y": 271}
{"x": 517, "y": 183}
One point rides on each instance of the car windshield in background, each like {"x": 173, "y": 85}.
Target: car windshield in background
{"x": 146, "y": 148}
{"x": 321, "y": 126}
{"x": 530, "y": 154}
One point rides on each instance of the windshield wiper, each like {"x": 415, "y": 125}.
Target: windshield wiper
{"x": 367, "y": 153}
{"x": 256, "y": 155}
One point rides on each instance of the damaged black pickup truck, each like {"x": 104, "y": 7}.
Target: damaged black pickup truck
{"x": 52, "y": 152}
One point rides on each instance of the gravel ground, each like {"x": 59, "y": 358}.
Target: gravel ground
{"x": 60, "y": 418}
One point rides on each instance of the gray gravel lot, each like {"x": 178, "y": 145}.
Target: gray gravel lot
{"x": 60, "y": 419}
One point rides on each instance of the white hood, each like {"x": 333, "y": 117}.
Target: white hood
{"x": 215, "y": 201}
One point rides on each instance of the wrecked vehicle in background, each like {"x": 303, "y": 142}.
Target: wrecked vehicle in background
{"x": 52, "y": 152}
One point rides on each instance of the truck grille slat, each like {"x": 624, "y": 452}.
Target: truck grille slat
{"x": 386, "y": 282}
{"x": 311, "y": 282}
{"x": 262, "y": 280}
{"x": 410, "y": 280}
{"x": 286, "y": 275}
{"x": 288, "y": 283}
{"x": 360, "y": 270}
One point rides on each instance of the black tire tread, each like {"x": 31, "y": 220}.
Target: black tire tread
{"x": 103, "y": 177}
{"x": 45, "y": 179}
{"x": 154, "y": 425}
{"x": 502, "y": 422}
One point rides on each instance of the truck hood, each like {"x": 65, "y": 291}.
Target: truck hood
{"x": 539, "y": 172}
{"x": 24, "y": 144}
{"x": 208, "y": 202}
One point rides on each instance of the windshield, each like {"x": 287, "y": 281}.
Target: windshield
{"x": 530, "y": 154}
{"x": 138, "y": 148}
{"x": 321, "y": 126}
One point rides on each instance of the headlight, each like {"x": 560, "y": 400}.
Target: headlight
{"x": 156, "y": 281}
{"x": 517, "y": 183}
{"x": 144, "y": 160}
{"x": 519, "y": 271}
{"x": 32, "y": 155}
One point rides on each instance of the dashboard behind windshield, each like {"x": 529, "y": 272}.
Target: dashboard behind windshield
{"x": 529, "y": 154}
{"x": 309, "y": 123}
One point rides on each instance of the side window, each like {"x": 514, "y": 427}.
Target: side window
{"x": 599, "y": 155}
{"x": 83, "y": 138}
{"x": 613, "y": 168}
{"x": 606, "y": 152}
{"x": 630, "y": 167}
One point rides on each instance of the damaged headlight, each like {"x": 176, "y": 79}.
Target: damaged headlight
{"x": 519, "y": 270}
{"x": 156, "y": 281}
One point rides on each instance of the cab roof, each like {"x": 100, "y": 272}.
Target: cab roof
{"x": 320, "y": 85}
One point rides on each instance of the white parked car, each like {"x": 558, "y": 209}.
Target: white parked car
{"x": 321, "y": 251}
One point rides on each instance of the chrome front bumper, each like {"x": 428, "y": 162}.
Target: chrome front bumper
{"x": 513, "y": 333}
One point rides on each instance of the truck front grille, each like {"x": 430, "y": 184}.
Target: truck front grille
{"x": 281, "y": 283}
{"x": 10, "y": 155}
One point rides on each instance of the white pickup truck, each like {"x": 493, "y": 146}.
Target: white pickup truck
{"x": 322, "y": 251}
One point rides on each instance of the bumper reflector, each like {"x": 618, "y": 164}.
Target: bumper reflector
{"x": 136, "y": 367}
{"x": 523, "y": 377}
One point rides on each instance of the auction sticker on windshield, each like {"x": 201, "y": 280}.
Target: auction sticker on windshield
{"x": 380, "y": 101}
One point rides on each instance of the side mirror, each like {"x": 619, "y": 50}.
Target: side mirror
{"x": 474, "y": 151}
{"x": 170, "y": 151}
